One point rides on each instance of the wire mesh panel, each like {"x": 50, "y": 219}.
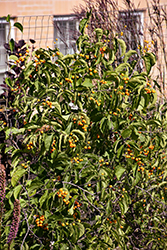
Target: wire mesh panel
{"x": 38, "y": 28}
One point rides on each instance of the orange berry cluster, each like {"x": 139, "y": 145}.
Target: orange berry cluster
{"x": 110, "y": 221}
{"x": 63, "y": 194}
{"x": 48, "y": 103}
{"x": 39, "y": 221}
{"x": 53, "y": 146}
{"x": 103, "y": 82}
{"x": 66, "y": 224}
{"x": 149, "y": 91}
{"x": 102, "y": 162}
{"x": 77, "y": 205}
{"x": 75, "y": 216}
{"x": 97, "y": 102}
{"x": 38, "y": 61}
{"x": 81, "y": 122}
{"x": 102, "y": 50}
{"x": 24, "y": 165}
{"x": 88, "y": 146}
{"x": 2, "y": 123}
{"x": 120, "y": 91}
{"x": 30, "y": 145}
{"x": 68, "y": 80}
{"x": 21, "y": 58}
{"x": 76, "y": 159}
{"x": 125, "y": 78}
{"x": 14, "y": 89}
{"x": 129, "y": 154}
{"x": 151, "y": 147}
{"x": 72, "y": 140}
{"x": 147, "y": 46}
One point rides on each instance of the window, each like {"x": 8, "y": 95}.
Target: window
{"x": 66, "y": 33}
{"x": 131, "y": 24}
{"x": 4, "y": 31}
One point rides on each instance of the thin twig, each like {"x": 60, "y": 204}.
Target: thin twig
{"x": 28, "y": 229}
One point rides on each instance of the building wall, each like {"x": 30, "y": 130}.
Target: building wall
{"x": 37, "y": 7}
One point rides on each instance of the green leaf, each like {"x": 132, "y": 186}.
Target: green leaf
{"x": 66, "y": 117}
{"x": 11, "y": 44}
{"x": 68, "y": 57}
{"x": 17, "y": 190}
{"x": 87, "y": 83}
{"x": 13, "y": 57}
{"x": 154, "y": 98}
{"x": 68, "y": 129}
{"x": 8, "y": 18}
{"x": 36, "y": 184}
{"x": 47, "y": 77}
{"x": 119, "y": 171}
{"x": 103, "y": 124}
{"x": 63, "y": 65}
{"x": 14, "y": 131}
{"x": 19, "y": 26}
{"x": 129, "y": 54}
{"x": 43, "y": 198}
{"x": 57, "y": 106}
{"x": 79, "y": 132}
{"x": 8, "y": 81}
{"x": 81, "y": 229}
{"x": 83, "y": 23}
{"x": 99, "y": 33}
{"x": 48, "y": 140}
{"x": 17, "y": 175}
{"x": 149, "y": 60}
{"x": 119, "y": 151}
{"x": 26, "y": 246}
{"x": 64, "y": 246}
{"x": 122, "y": 45}
{"x": 126, "y": 133}
{"x": 109, "y": 207}
{"x": 141, "y": 104}
{"x": 137, "y": 178}
{"x": 121, "y": 67}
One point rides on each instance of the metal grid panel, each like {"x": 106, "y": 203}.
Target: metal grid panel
{"x": 40, "y": 28}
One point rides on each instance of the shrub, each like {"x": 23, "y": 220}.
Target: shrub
{"x": 87, "y": 149}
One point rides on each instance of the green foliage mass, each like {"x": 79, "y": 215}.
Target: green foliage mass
{"x": 88, "y": 149}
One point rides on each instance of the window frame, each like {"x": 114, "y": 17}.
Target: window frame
{"x": 58, "y": 41}
{"x": 4, "y": 67}
{"x": 140, "y": 13}
{"x": 12, "y": 35}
